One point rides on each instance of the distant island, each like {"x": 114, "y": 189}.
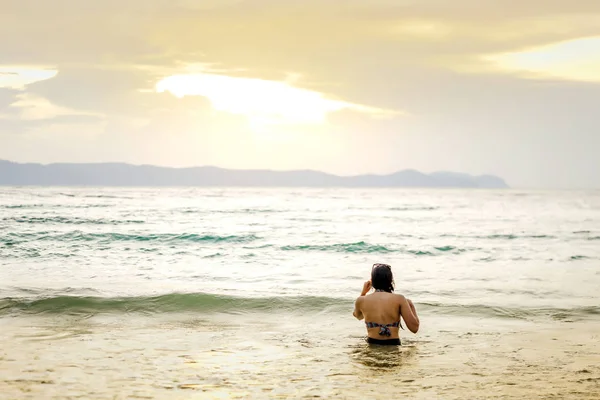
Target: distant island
{"x": 121, "y": 174}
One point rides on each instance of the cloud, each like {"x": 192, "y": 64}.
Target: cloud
{"x": 7, "y": 97}
{"x": 17, "y": 77}
{"x": 240, "y": 33}
{"x": 115, "y": 90}
{"x": 31, "y": 107}
{"x": 577, "y": 60}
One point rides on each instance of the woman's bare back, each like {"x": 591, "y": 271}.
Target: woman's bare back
{"x": 381, "y": 309}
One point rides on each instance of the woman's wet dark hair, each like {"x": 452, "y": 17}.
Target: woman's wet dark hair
{"x": 382, "y": 277}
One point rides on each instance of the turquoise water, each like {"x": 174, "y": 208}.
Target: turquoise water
{"x": 249, "y": 292}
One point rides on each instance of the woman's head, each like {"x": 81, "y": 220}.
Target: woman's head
{"x": 382, "y": 278}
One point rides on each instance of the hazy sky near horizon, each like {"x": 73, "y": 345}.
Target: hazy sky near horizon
{"x": 345, "y": 86}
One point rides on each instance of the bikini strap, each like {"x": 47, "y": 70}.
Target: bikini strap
{"x": 384, "y": 330}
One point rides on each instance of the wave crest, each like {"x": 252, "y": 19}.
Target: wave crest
{"x": 78, "y": 236}
{"x": 213, "y": 303}
{"x": 70, "y": 221}
{"x": 168, "y": 303}
{"x": 358, "y": 247}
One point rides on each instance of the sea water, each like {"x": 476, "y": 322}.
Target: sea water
{"x": 249, "y": 292}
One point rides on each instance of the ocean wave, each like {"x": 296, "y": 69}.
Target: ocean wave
{"x": 106, "y": 196}
{"x": 52, "y": 206}
{"x": 364, "y": 247}
{"x": 414, "y": 208}
{"x": 196, "y": 210}
{"x": 215, "y": 255}
{"x": 18, "y": 206}
{"x": 512, "y": 236}
{"x": 501, "y": 236}
{"x": 168, "y": 303}
{"x": 578, "y": 257}
{"x": 95, "y": 196}
{"x": 213, "y": 303}
{"x": 249, "y": 211}
{"x": 70, "y": 221}
{"x": 78, "y": 236}
{"x": 358, "y": 247}
{"x": 448, "y": 248}
{"x": 476, "y": 310}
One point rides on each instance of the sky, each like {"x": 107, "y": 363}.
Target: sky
{"x": 507, "y": 87}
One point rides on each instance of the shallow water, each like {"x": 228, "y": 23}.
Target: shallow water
{"x": 201, "y": 293}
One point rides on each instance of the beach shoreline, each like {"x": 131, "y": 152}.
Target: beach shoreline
{"x": 266, "y": 356}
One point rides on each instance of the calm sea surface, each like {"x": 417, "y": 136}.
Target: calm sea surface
{"x": 248, "y": 293}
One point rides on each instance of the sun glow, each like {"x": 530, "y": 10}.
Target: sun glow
{"x": 263, "y": 102}
{"x": 577, "y": 60}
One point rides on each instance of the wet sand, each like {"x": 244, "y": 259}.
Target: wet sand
{"x": 268, "y": 356}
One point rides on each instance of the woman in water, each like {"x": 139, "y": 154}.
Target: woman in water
{"x": 382, "y": 309}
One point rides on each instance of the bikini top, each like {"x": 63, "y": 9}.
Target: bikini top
{"x": 384, "y": 330}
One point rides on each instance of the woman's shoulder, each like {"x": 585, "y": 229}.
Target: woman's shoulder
{"x": 400, "y": 296}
